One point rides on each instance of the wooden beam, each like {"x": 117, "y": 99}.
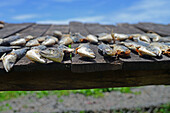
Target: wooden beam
{"x": 64, "y": 80}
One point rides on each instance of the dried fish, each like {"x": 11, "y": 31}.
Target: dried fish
{"x": 121, "y": 50}
{"x": 66, "y": 40}
{"x": 29, "y": 37}
{"x": 57, "y": 34}
{"x": 49, "y": 41}
{"x": 8, "y": 40}
{"x": 106, "y": 38}
{"x": 34, "y": 54}
{"x": 54, "y": 54}
{"x": 33, "y": 42}
{"x": 41, "y": 38}
{"x": 120, "y": 37}
{"x": 106, "y": 50}
{"x": 19, "y": 42}
{"x": 92, "y": 38}
{"x": 10, "y": 59}
{"x": 84, "y": 50}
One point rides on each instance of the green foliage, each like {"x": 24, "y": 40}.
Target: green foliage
{"x": 6, "y": 95}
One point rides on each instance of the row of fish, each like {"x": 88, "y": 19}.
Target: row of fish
{"x": 36, "y": 48}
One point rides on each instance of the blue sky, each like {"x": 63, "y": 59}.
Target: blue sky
{"x": 101, "y": 11}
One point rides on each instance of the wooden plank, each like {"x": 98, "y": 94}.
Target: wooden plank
{"x": 78, "y": 27}
{"x": 63, "y": 28}
{"x": 95, "y": 28}
{"x": 100, "y": 63}
{"x": 36, "y": 30}
{"x": 63, "y": 80}
{"x": 123, "y": 28}
{"x": 161, "y": 29}
{"x": 11, "y": 29}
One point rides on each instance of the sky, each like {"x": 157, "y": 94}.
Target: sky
{"x": 98, "y": 11}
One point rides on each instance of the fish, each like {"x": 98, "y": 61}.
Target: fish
{"x": 85, "y": 51}
{"x": 54, "y": 54}
{"x": 92, "y": 38}
{"x": 155, "y": 37}
{"x": 57, "y": 34}
{"x": 11, "y": 58}
{"x": 5, "y": 49}
{"x": 41, "y": 38}
{"x": 106, "y": 50}
{"x": 144, "y": 51}
{"x": 28, "y": 37}
{"x": 131, "y": 36}
{"x": 66, "y": 49}
{"x": 144, "y": 38}
{"x": 34, "y": 54}
{"x": 8, "y": 40}
{"x": 141, "y": 37}
{"x": 66, "y": 40}
{"x": 19, "y": 42}
{"x": 33, "y": 42}
{"x": 131, "y": 45}
{"x": 106, "y": 38}
{"x": 121, "y": 50}
{"x": 77, "y": 38}
{"x": 119, "y": 37}
{"x": 49, "y": 41}
{"x": 164, "y": 48}
{"x": 1, "y": 26}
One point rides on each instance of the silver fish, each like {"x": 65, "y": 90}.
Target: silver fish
{"x": 57, "y": 34}
{"x": 120, "y": 37}
{"x": 121, "y": 50}
{"x": 19, "y": 42}
{"x": 10, "y": 59}
{"x": 92, "y": 38}
{"x": 106, "y": 50}
{"x": 28, "y": 37}
{"x": 1, "y": 26}
{"x": 66, "y": 40}
{"x": 41, "y": 38}
{"x": 145, "y": 51}
{"x": 33, "y": 42}
{"x": 84, "y": 50}
{"x": 106, "y": 38}
{"x": 155, "y": 37}
{"x": 34, "y": 54}
{"x": 66, "y": 49}
{"x": 49, "y": 41}
{"x": 8, "y": 40}
{"x": 54, "y": 54}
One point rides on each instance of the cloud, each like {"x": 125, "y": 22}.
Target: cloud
{"x": 82, "y": 19}
{"x": 25, "y": 17}
{"x": 143, "y": 11}
{"x": 140, "y": 11}
{"x": 64, "y": 0}
{"x": 7, "y": 3}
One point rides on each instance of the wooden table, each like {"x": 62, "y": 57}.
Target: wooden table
{"x": 76, "y": 73}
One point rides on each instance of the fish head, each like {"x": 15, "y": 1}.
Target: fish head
{"x": 54, "y": 54}
{"x": 9, "y": 61}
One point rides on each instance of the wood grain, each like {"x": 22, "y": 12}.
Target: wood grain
{"x": 161, "y": 29}
{"x": 12, "y": 29}
{"x": 78, "y": 27}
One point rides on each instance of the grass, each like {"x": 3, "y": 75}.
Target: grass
{"x": 6, "y": 95}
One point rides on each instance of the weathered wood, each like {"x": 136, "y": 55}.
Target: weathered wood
{"x": 63, "y": 28}
{"x": 35, "y": 30}
{"x": 78, "y": 27}
{"x": 123, "y": 28}
{"x": 161, "y": 29}
{"x": 95, "y": 28}
{"x": 100, "y": 63}
{"x": 11, "y": 29}
{"x": 59, "y": 80}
